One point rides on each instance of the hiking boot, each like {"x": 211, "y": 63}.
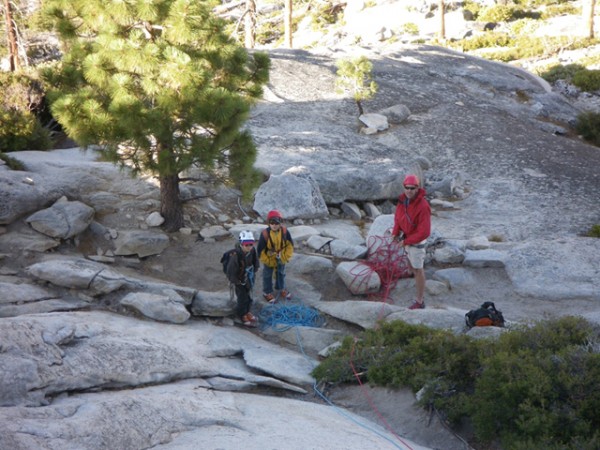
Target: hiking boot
{"x": 417, "y": 305}
{"x": 269, "y": 298}
{"x": 285, "y": 294}
{"x": 249, "y": 320}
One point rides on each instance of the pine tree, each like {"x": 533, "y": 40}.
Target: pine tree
{"x": 159, "y": 86}
{"x": 354, "y": 77}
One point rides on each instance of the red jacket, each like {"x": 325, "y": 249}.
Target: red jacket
{"x": 413, "y": 218}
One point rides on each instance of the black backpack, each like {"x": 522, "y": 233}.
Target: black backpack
{"x": 486, "y": 316}
{"x": 225, "y": 259}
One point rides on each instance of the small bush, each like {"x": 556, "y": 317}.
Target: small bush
{"x": 12, "y": 163}
{"x": 590, "y": 61}
{"x": 473, "y": 6}
{"x": 588, "y": 126}
{"x": 520, "y": 14}
{"x": 587, "y": 80}
{"x": 560, "y": 72}
{"x": 486, "y": 40}
{"x": 497, "y": 13}
{"x": 560, "y": 10}
{"x": 21, "y": 104}
{"x": 503, "y": 55}
{"x": 523, "y": 26}
{"x": 546, "y": 3}
{"x": 324, "y": 14}
{"x": 410, "y": 28}
{"x": 594, "y": 231}
{"x": 21, "y": 130}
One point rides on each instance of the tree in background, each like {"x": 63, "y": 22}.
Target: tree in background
{"x": 250, "y": 23}
{"x": 287, "y": 23}
{"x": 11, "y": 35}
{"x": 354, "y": 77}
{"x": 589, "y": 12}
{"x": 442, "y": 8}
{"x": 158, "y": 86}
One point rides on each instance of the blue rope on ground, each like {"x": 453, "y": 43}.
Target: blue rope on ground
{"x": 283, "y": 316}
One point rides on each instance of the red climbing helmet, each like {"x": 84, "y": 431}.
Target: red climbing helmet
{"x": 411, "y": 180}
{"x": 274, "y": 214}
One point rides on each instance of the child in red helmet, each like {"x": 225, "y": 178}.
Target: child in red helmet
{"x": 275, "y": 249}
{"x": 412, "y": 226}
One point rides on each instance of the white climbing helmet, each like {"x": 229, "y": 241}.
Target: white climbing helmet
{"x": 246, "y": 237}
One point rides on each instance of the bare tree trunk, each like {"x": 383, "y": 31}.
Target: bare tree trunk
{"x": 250, "y": 23}
{"x": 442, "y": 8}
{"x": 360, "y": 108}
{"x": 590, "y": 17}
{"x": 11, "y": 37}
{"x": 287, "y": 21}
{"x": 171, "y": 207}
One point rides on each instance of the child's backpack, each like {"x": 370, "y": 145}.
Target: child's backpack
{"x": 225, "y": 259}
{"x": 486, "y": 316}
{"x": 267, "y": 235}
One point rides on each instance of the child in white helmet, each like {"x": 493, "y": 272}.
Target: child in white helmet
{"x": 241, "y": 270}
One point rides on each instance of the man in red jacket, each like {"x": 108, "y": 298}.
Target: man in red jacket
{"x": 412, "y": 226}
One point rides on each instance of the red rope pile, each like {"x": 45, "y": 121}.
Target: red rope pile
{"x": 387, "y": 259}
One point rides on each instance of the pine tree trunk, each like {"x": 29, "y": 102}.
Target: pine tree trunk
{"x": 250, "y": 24}
{"x": 287, "y": 20}
{"x": 11, "y": 37}
{"x": 442, "y": 8}
{"x": 360, "y": 108}
{"x": 590, "y": 17}
{"x": 171, "y": 207}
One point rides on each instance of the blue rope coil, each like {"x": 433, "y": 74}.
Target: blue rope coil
{"x": 283, "y": 316}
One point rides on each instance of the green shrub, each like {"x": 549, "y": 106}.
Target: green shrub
{"x": 590, "y": 60}
{"x": 546, "y": 3}
{"x": 410, "y": 28}
{"x": 21, "y": 130}
{"x": 324, "y": 14}
{"x": 12, "y": 163}
{"x": 503, "y": 55}
{"x": 497, "y": 13}
{"x": 587, "y": 80}
{"x": 588, "y": 126}
{"x": 535, "y": 387}
{"x": 520, "y": 13}
{"x": 553, "y": 409}
{"x": 524, "y": 46}
{"x": 486, "y": 40}
{"x": 594, "y": 231}
{"x": 560, "y": 72}
{"x": 560, "y": 10}
{"x": 523, "y": 26}
{"x": 473, "y": 6}
{"x": 21, "y": 102}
